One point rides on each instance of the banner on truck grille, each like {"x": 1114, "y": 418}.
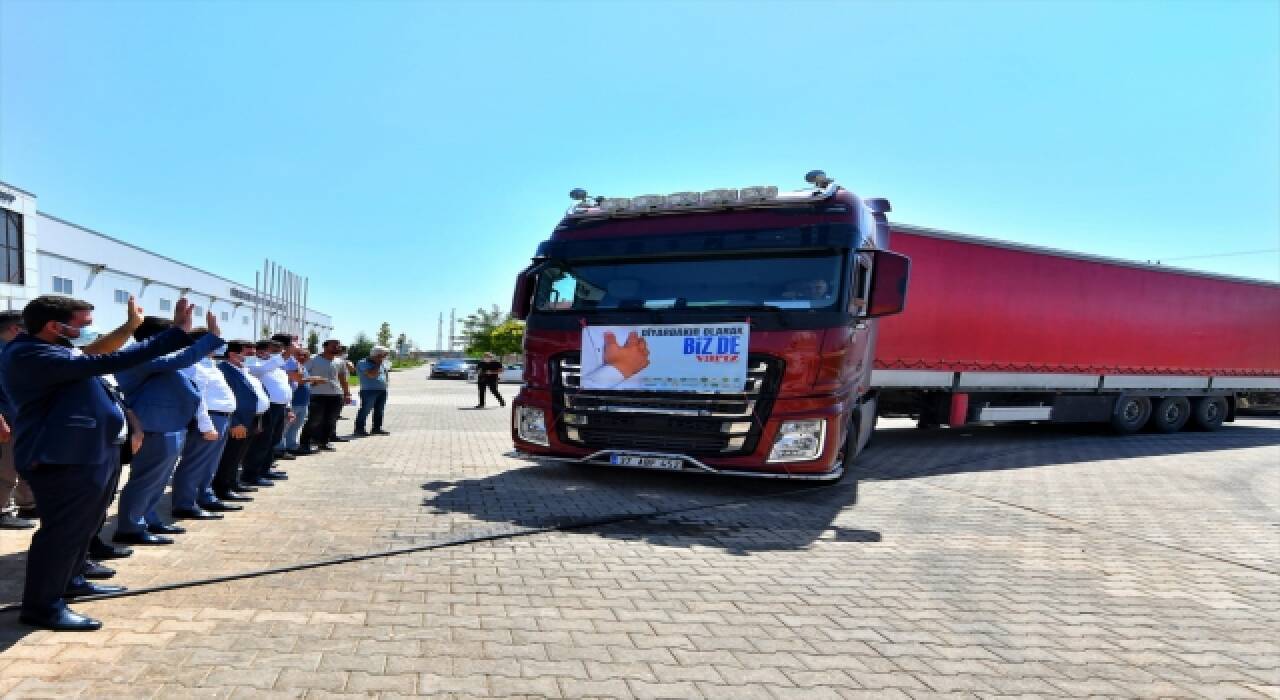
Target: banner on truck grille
{"x": 707, "y": 358}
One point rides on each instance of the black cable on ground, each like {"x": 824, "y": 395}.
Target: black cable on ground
{"x": 563, "y": 526}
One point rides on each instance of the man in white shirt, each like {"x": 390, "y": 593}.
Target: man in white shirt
{"x": 193, "y": 498}
{"x": 251, "y": 403}
{"x": 268, "y": 368}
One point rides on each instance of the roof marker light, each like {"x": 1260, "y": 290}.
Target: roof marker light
{"x": 759, "y": 193}
{"x": 722, "y": 196}
{"x": 647, "y": 202}
{"x": 683, "y": 199}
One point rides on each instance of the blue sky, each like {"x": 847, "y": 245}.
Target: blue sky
{"x": 409, "y": 156}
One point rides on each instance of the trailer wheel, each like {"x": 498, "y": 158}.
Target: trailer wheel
{"x": 1171, "y": 414}
{"x": 1130, "y": 414}
{"x": 1209, "y": 412}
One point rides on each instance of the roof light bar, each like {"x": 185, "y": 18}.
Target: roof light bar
{"x": 758, "y": 195}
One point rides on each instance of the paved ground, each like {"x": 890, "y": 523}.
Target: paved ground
{"x": 991, "y": 563}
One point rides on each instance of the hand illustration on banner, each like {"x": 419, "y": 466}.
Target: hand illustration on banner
{"x": 629, "y": 358}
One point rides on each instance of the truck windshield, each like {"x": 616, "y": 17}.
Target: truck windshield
{"x": 774, "y": 282}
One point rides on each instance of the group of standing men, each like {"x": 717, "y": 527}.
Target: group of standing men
{"x": 74, "y": 406}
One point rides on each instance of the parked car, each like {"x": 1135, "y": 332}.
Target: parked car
{"x": 511, "y": 374}
{"x": 452, "y": 369}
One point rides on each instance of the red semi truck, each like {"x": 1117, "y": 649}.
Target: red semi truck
{"x": 817, "y": 278}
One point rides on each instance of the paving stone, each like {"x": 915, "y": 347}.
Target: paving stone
{"x": 991, "y": 562}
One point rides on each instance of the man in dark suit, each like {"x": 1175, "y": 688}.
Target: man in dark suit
{"x": 244, "y": 424}
{"x": 68, "y": 432}
{"x": 165, "y": 402}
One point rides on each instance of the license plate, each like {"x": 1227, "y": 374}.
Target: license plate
{"x": 646, "y": 462}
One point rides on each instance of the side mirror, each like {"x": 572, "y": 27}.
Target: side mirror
{"x": 522, "y": 299}
{"x": 889, "y": 273}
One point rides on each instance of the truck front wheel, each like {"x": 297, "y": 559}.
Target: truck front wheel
{"x": 1209, "y": 412}
{"x": 1130, "y": 414}
{"x": 1171, "y": 413}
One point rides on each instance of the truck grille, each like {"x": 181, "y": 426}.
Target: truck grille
{"x": 692, "y": 424}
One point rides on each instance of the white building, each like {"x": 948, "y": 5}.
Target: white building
{"x": 42, "y": 254}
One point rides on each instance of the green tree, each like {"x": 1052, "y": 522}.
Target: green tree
{"x": 359, "y": 348}
{"x": 492, "y": 331}
{"x": 384, "y": 335}
{"x": 313, "y": 342}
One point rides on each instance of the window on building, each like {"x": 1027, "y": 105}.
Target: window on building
{"x": 122, "y": 296}
{"x": 11, "y": 265}
{"x": 166, "y": 305}
{"x": 62, "y": 285}
{"x": 197, "y": 312}
{"x": 226, "y": 316}
{"x": 245, "y": 320}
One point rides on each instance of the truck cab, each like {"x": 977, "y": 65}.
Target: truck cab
{"x": 808, "y": 272}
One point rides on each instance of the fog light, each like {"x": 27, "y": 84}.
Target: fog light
{"x": 798, "y": 440}
{"x": 531, "y": 425}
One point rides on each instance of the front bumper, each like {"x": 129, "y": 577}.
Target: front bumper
{"x": 691, "y": 465}
{"x": 754, "y": 464}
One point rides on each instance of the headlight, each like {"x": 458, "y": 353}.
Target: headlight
{"x": 531, "y": 425}
{"x": 798, "y": 440}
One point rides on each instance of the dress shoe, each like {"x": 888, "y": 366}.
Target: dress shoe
{"x": 62, "y": 620}
{"x": 379, "y": 431}
{"x": 84, "y": 589}
{"x": 232, "y": 497}
{"x": 195, "y": 514}
{"x": 340, "y": 439}
{"x": 276, "y": 475}
{"x": 264, "y": 483}
{"x": 326, "y": 448}
{"x": 361, "y": 432}
{"x": 242, "y": 487}
{"x": 99, "y": 550}
{"x": 140, "y": 538}
{"x": 162, "y": 529}
{"x": 94, "y": 570}
{"x": 29, "y": 513}
{"x": 285, "y": 456}
{"x": 220, "y": 507}
{"x": 300, "y": 452}
{"x": 9, "y": 521}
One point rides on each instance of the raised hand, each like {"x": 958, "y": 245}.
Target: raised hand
{"x": 182, "y": 314}
{"x": 211, "y": 322}
{"x": 629, "y": 358}
{"x": 134, "y": 319}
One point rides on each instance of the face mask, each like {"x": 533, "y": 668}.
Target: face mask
{"x": 77, "y": 336}
{"x": 87, "y": 336}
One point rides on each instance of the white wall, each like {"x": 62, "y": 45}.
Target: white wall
{"x": 73, "y": 252}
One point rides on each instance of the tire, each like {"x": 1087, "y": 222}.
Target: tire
{"x": 848, "y": 450}
{"x": 1208, "y": 412}
{"x": 1170, "y": 414}
{"x": 1130, "y": 413}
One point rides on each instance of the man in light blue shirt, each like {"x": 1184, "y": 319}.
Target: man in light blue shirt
{"x": 373, "y": 390}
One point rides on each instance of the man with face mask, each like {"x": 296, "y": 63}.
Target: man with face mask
{"x": 68, "y": 429}
{"x": 165, "y": 402}
{"x": 243, "y": 425}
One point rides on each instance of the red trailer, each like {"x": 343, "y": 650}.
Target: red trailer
{"x": 998, "y": 331}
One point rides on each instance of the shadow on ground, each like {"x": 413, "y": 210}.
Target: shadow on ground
{"x": 742, "y": 515}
